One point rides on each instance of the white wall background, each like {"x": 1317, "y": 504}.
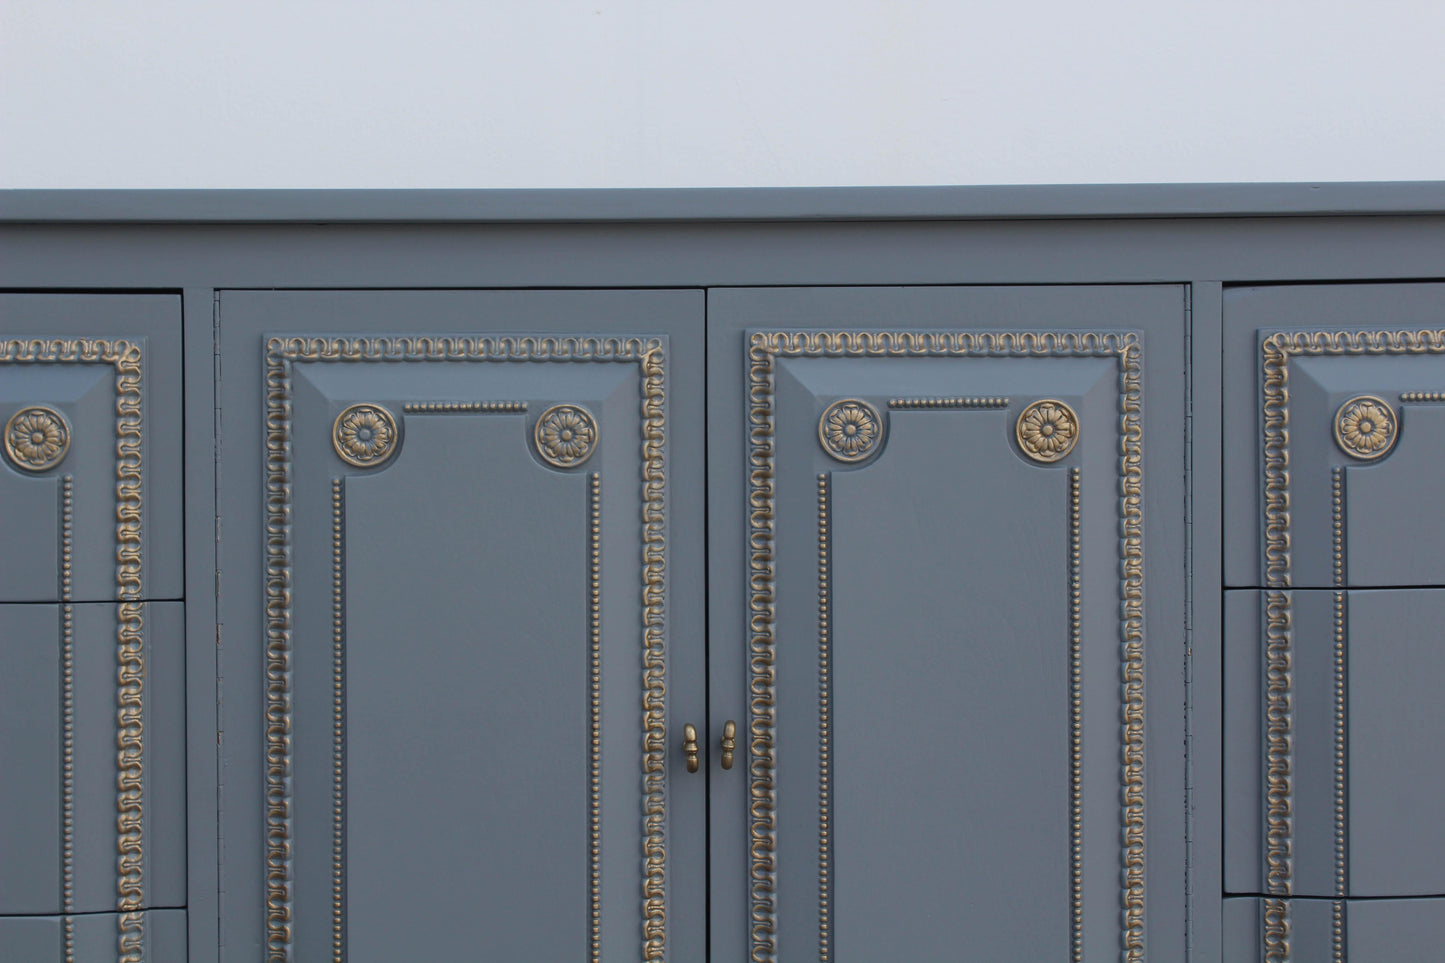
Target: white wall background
{"x": 683, "y": 93}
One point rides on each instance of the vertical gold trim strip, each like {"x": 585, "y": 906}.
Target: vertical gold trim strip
{"x": 130, "y": 670}
{"x": 1341, "y": 683}
{"x": 762, "y": 822}
{"x": 67, "y": 668}
{"x": 825, "y": 731}
{"x": 1337, "y": 493}
{"x": 1131, "y": 590}
{"x": 1076, "y": 725}
{"x": 338, "y": 719}
{"x": 1337, "y": 932}
{"x": 594, "y": 780}
{"x": 1279, "y": 767}
{"x": 279, "y": 357}
{"x": 654, "y": 664}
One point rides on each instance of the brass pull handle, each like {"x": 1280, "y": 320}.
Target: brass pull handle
{"x": 729, "y": 743}
{"x": 689, "y": 746}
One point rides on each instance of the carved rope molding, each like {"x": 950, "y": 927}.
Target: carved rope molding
{"x": 126, "y": 359}
{"x": 764, "y": 347}
{"x": 1276, "y": 350}
{"x": 281, "y": 355}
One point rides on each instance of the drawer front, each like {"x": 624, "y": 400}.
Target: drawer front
{"x": 1343, "y": 390}
{"x": 60, "y": 939}
{"x": 1338, "y": 931}
{"x": 1333, "y": 774}
{"x": 90, "y": 404}
{"x": 94, "y": 766}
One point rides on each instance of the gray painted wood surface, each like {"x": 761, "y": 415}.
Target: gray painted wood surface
{"x": 59, "y": 701}
{"x": 43, "y": 939}
{"x": 937, "y": 665}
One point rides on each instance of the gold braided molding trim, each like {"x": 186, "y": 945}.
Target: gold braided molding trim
{"x": 126, "y": 358}
{"x": 1278, "y": 774}
{"x": 281, "y": 355}
{"x": 763, "y": 348}
{"x": 1276, "y": 350}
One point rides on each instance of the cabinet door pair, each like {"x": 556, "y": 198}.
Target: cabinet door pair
{"x": 484, "y": 556}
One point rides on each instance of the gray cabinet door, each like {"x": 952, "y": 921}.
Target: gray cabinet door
{"x": 461, "y": 606}
{"x": 947, "y": 618}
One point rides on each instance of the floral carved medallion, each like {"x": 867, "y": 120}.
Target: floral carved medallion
{"x": 1047, "y": 430}
{"x": 364, "y": 435}
{"x": 850, "y": 429}
{"x": 1366, "y": 427}
{"x": 566, "y": 435}
{"x": 37, "y": 438}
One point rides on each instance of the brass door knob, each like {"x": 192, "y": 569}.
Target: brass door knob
{"x": 729, "y": 743}
{"x": 689, "y": 746}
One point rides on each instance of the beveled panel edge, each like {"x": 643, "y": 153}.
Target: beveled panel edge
{"x": 763, "y": 347}
{"x": 281, "y": 353}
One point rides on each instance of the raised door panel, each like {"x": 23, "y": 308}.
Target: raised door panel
{"x": 1343, "y": 389}
{"x": 951, "y": 531}
{"x": 461, "y": 646}
{"x": 90, "y": 475}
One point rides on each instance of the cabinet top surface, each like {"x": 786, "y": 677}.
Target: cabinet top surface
{"x": 723, "y": 204}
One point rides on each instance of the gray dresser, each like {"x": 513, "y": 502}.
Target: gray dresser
{"x": 834, "y": 575}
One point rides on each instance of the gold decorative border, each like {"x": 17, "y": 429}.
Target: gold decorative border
{"x": 465, "y": 407}
{"x": 825, "y": 727}
{"x": 1279, "y": 769}
{"x": 126, "y": 358}
{"x": 281, "y": 354}
{"x": 1076, "y": 720}
{"x": 1337, "y": 520}
{"x": 338, "y": 720}
{"x": 1276, "y": 350}
{"x": 67, "y": 733}
{"x": 763, "y": 348}
{"x": 594, "y": 685}
{"x": 906, "y": 404}
{"x": 1337, "y": 931}
{"x": 1422, "y": 397}
{"x": 654, "y": 674}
